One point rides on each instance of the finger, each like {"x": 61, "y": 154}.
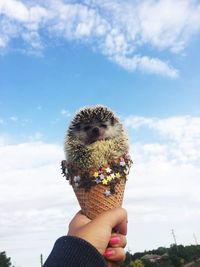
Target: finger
{"x": 77, "y": 222}
{"x": 117, "y": 240}
{"x": 114, "y": 218}
{"x": 115, "y": 254}
{"x": 121, "y": 228}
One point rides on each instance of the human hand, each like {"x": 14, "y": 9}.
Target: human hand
{"x": 98, "y": 232}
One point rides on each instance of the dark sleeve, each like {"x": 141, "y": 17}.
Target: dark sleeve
{"x": 70, "y": 251}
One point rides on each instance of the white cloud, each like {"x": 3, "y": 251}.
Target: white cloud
{"x": 182, "y": 134}
{"x": 35, "y": 199}
{"x": 168, "y": 23}
{"x": 14, "y": 118}
{"x": 36, "y": 136}
{"x": 162, "y": 192}
{"x": 151, "y": 65}
{"x": 119, "y": 33}
{"x": 65, "y": 113}
{"x": 163, "y": 189}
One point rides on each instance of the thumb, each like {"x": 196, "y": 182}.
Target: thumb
{"x": 77, "y": 222}
{"x": 114, "y": 218}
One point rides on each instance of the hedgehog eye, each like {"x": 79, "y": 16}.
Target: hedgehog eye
{"x": 112, "y": 120}
{"x": 87, "y": 128}
{"x": 78, "y": 127}
{"x": 103, "y": 125}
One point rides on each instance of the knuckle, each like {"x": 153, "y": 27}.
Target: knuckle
{"x": 121, "y": 255}
{"x": 124, "y": 242}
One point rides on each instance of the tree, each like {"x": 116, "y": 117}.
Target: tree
{"x": 4, "y": 260}
{"x": 136, "y": 263}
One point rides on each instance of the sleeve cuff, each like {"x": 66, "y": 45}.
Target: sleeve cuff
{"x": 70, "y": 251}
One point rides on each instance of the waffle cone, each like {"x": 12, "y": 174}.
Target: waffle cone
{"x": 94, "y": 201}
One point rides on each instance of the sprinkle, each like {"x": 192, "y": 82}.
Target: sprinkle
{"x": 98, "y": 180}
{"x": 101, "y": 176}
{"x": 107, "y": 193}
{"x": 109, "y": 178}
{"x": 112, "y": 175}
{"x": 117, "y": 175}
{"x": 129, "y": 163}
{"x": 106, "y": 174}
{"x": 127, "y": 156}
{"x": 96, "y": 174}
{"x": 126, "y": 171}
{"x": 105, "y": 182}
{"x": 77, "y": 179}
{"x": 108, "y": 170}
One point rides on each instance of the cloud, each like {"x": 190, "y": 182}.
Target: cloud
{"x": 182, "y": 134}
{"x": 14, "y": 118}
{"x": 146, "y": 64}
{"x": 36, "y": 136}
{"x": 35, "y": 200}
{"x": 118, "y": 33}
{"x": 162, "y": 191}
{"x": 166, "y": 171}
{"x": 65, "y": 113}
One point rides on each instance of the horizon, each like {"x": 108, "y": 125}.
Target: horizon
{"x": 141, "y": 59}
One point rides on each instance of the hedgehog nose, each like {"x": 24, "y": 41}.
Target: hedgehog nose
{"x": 95, "y": 131}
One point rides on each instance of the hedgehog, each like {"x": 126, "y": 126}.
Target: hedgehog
{"x": 95, "y": 136}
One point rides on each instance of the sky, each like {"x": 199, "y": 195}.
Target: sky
{"x": 141, "y": 59}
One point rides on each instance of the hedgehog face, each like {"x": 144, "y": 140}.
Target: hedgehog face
{"x": 95, "y": 124}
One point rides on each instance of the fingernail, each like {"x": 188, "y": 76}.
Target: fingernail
{"x": 114, "y": 240}
{"x": 109, "y": 253}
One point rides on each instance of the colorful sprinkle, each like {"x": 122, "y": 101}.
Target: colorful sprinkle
{"x": 109, "y": 178}
{"x": 96, "y": 174}
{"x": 126, "y": 171}
{"x": 108, "y": 170}
{"x": 107, "y": 175}
{"x": 102, "y": 176}
{"x": 77, "y": 179}
{"x": 117, "y": 175}
{"x": 122, "y": 163}
{"x": 105, "y": 182}
{"x": 129, "y": 163}
{"x": 98, "y": 181}
{"x": 107, "y": 193}
{"x": 112, "y": 175}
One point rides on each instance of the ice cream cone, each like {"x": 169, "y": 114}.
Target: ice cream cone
{"x": 95, "y": 201}
{"x": 98, "y": 190}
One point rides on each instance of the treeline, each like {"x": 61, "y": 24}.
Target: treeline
{"x": 174, "y": 256}
{"x": 4, "y": 260}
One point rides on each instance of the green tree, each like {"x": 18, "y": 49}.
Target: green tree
{"x": 136, "y": 263}
{"x": 4, "y": 260}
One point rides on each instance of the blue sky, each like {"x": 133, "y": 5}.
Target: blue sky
{"x": 35, "y": 89}
{"x": 140, "y": 58}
